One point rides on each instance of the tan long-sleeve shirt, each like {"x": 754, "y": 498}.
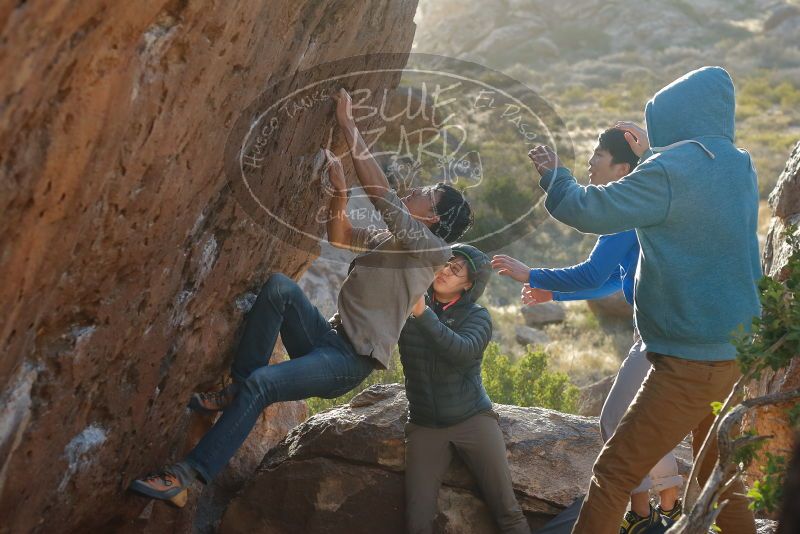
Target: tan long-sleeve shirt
{"x": 385, "y": 281}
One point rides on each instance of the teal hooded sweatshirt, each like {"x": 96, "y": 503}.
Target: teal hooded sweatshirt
{"x": 693, "y": 201}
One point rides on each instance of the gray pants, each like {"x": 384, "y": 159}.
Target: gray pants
{"x": 631, "y": 374}
{"x": 479, "y": 442}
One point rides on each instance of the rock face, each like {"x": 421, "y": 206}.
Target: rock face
{"x": 612, "y": 308}
{"x": 342, "y": 471}
{"x": 527, "y": 335}
{"x": 785, "y": 203}
{"x": 127, "y": 263}
{"x": 542, "y": 314}
{"x": 593, "y": 396}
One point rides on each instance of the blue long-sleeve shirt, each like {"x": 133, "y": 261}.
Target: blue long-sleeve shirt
{"x": 611, "y": 266}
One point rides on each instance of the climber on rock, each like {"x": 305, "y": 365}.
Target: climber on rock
{"x": 441, "y": 349}
{"x": 395, "y": 267}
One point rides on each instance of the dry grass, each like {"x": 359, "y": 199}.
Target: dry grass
{"x": 580, "y": 346}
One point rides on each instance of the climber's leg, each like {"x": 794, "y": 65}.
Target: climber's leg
{"x": 327, "y": 371}
{"x": 282, "y": 307}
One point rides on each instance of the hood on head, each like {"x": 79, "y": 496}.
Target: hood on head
{"x": 697, "y": 104}
{"x": 480, "y": 268}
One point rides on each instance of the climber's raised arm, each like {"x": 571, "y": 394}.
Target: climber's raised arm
{"x": 369, "y": 173}
{"x": 338, "y": 223}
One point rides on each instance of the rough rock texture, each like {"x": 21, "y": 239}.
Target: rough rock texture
{"x": 126, "y": 262}
{"x": 593, "y": 396}
{"x": 341, "y": 471}
{"x": 207, "y": 503}
{"x": 612, "y": 308}
{"x": 785, "y": 203}
{"x": 526, "y": 335}
{"x": 324, "y": 277}
{"x": 542, "y": 314}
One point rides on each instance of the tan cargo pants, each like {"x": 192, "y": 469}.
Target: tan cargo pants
{"x": 674, "y": 400}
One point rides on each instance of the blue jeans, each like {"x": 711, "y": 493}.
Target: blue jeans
{"x": 321, "y": 364}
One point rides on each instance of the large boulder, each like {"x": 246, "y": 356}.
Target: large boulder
{"x": 612, "y": 308}
{"x": 127, "y": 260}
{"x": 342, "y": 471}
{"x": 593, "y": 396}
{"x": 541, "y": 314}
{"x": 526, "y": 335}
{"x": 785, "y": 203}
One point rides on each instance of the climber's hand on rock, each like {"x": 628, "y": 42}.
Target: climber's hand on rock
{"x": 344, "y": 108}
{"x": 544, "y": 159}
{"x": 534, "y": 295}
{"x": 511, "y": 267}
{"x": 335, "y": 172}
{"x": 635, "y": 135}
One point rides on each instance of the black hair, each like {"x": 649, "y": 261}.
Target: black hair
{"x": 613, "y": 141}
{"x": 454, "y": 212}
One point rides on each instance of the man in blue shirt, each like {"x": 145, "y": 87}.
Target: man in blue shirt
{"x": 611, "y": 267}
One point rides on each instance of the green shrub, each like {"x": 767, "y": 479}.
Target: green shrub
{"x": 528, "y": 381}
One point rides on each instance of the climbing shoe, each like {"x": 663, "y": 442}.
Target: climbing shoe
{"x": 635, "y": 524}
{"x": 213, "y": 401}
{"x": 171, "y": 485}
{"x": 673, "y": 514}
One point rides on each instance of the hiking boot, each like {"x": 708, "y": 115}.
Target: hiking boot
{"x": 171, "y": 485}
{"x": 674, "y": 514}
{"x": 213, "y": 401}
{"x": 635, "y": 524}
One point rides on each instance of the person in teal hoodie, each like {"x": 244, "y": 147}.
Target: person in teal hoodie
{"x": 693, "y": 201}
{"x": 610, "y": 267}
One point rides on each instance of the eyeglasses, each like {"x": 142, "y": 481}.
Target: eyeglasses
{"x": 456, "y": 267}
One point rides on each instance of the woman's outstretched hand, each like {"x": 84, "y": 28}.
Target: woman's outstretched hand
{"x": 534, "y": 295}
{"x": 513, "y": 268}
{"x": 544, "y": 159}
{"x": 635, "y": 135}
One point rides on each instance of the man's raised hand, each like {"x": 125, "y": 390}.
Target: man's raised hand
{"x": 635, "y": 136}
{"x": 544, "y": 159}
{"x": 513, "y": 268}
{"x": 335, "y": 172}
{"x": 344, "y": 108}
